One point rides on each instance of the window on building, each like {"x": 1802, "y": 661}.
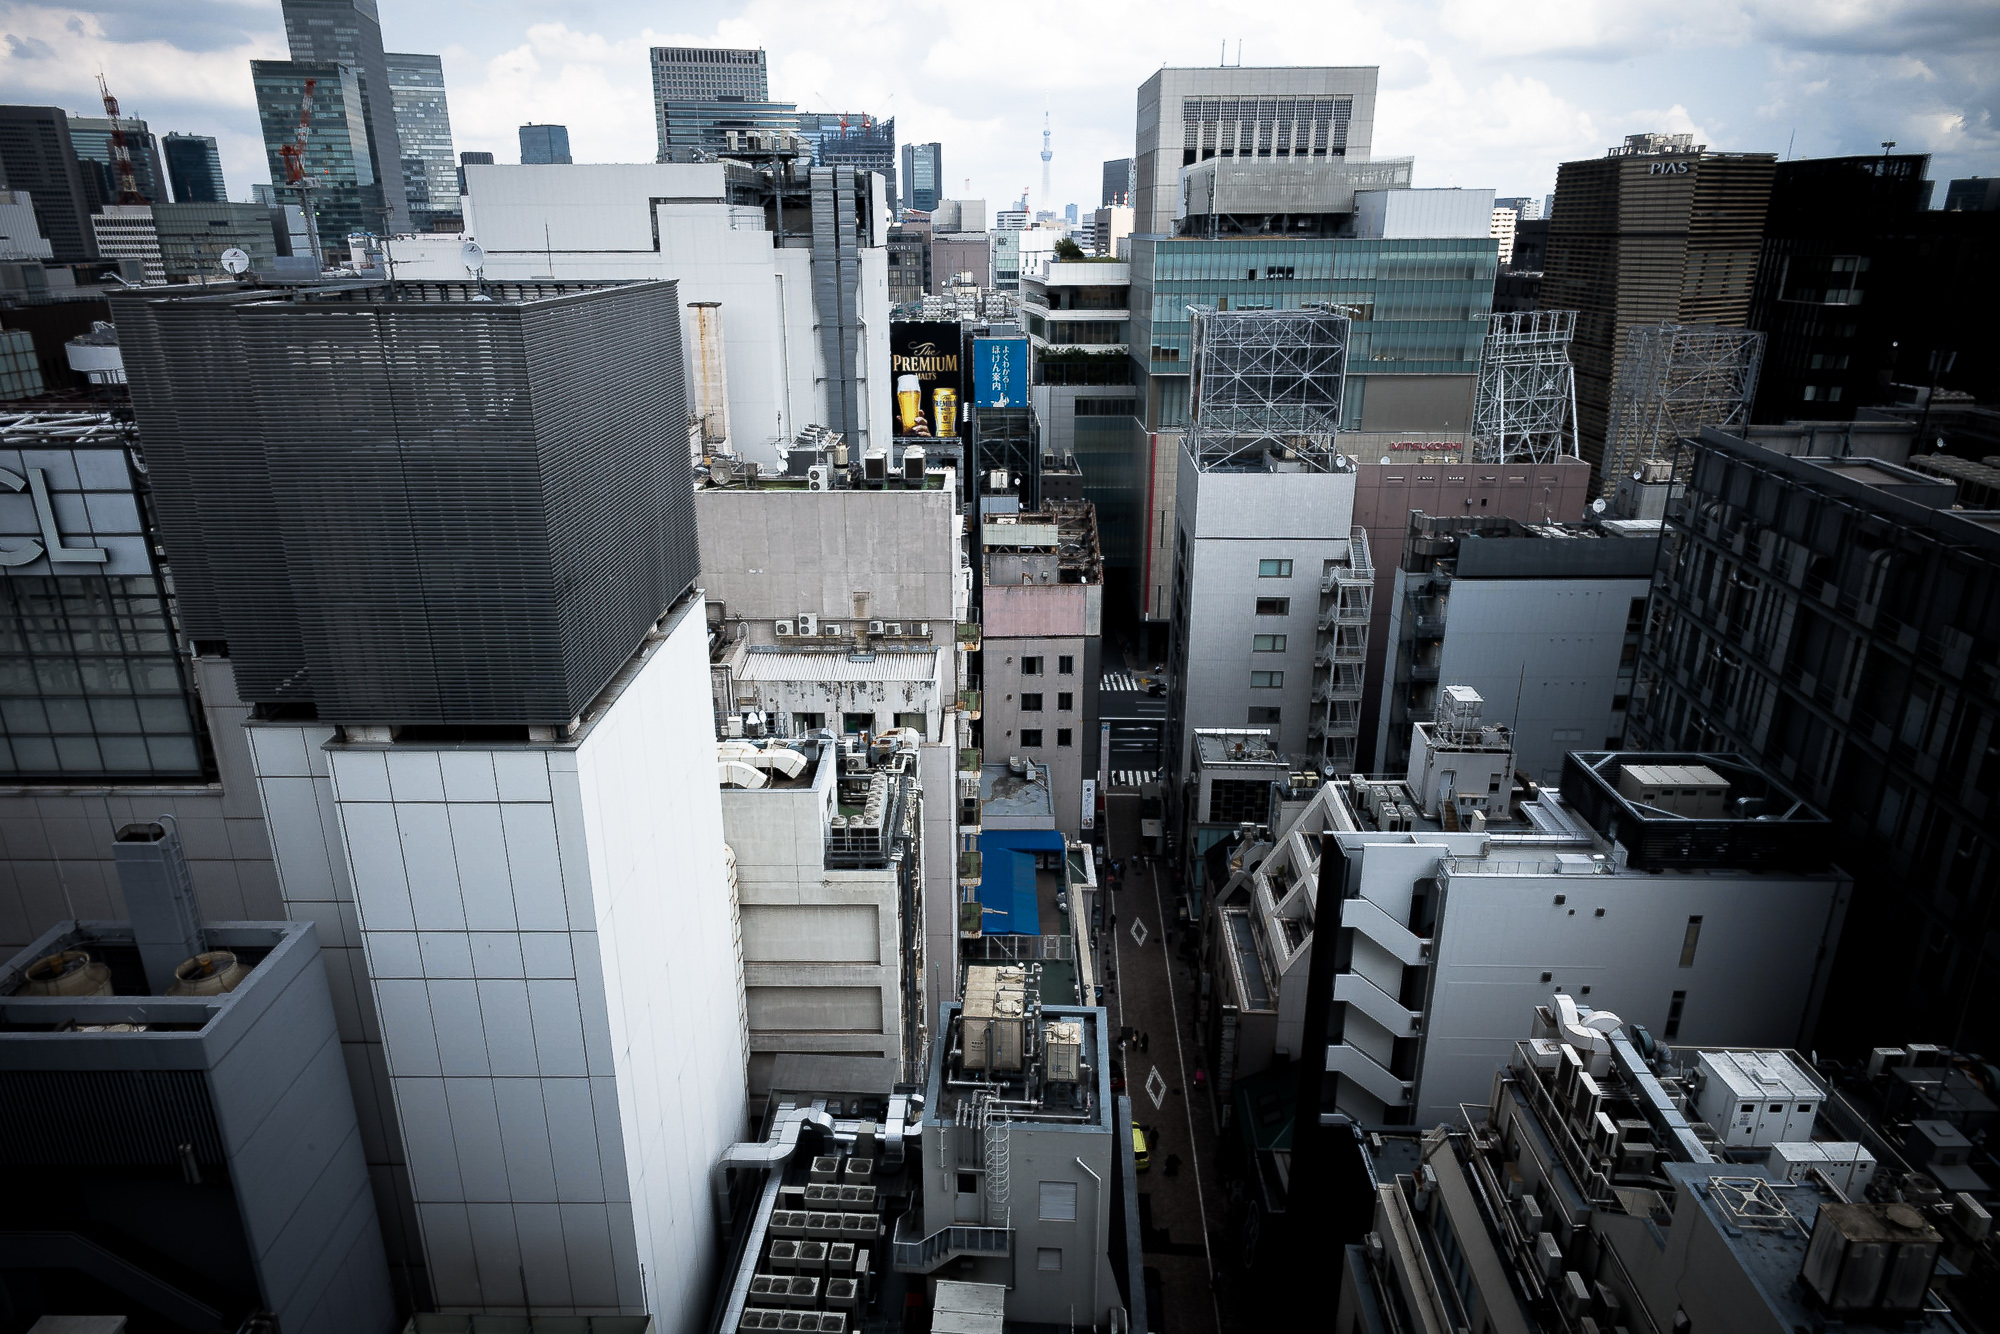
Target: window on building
{"x": 1065, "y": 737}
{"x": 1031, "y": 702}
{"x": 807, "y": 722}
{"x": 1267, "y": 680}
{"x": 1689, "y": 941}
{"x": 1260, "y": 716}
{"x": 1031, "y": 737}
{"x": 1267, "y": 643}
{"x": 854, "y": 723}
{"x": 1274, "y": 569}
{"x": 913, "y": 721}
{"x": 968, "y": 1183}
{"x": 1065, "y": 665}
{"x": 1274, "y": 606}
{"x": 1674, "y": 1008}
{"x": 1065, "y": 701}
{"x": 1031, "y": 666}
{"x": 1635, "y": 616}
{"x": 1048, "y": 1259}
{"x": 1058, "y": 1202}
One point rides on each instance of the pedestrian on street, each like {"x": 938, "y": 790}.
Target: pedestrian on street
{"x": 1145, "y": 1042}
{"x": 1200, "y": 1077}
{"x": 1173, "y": 1164}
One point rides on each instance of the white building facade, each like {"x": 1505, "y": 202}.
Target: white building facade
{"x": 665, "y": 220}
{"x": 535, "y": 973}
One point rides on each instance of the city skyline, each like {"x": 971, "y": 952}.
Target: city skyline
{"x": 1479, "y": 101}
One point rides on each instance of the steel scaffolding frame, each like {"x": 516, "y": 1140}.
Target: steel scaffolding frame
{"x": 1525, "y": 407}
{"x": 1673, "y": 380}
{"x": 1267, "y": 381}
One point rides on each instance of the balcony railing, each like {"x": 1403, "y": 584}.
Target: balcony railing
{"x": 911, "y": 1255}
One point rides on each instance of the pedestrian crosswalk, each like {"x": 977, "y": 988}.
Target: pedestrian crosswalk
{"x": 1121, "y": 681}
{"x": 1133, "y": 777}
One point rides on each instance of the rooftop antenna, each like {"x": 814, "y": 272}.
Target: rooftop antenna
{"x": 1222, "y": 57}
{"x": 1239, "y": 53}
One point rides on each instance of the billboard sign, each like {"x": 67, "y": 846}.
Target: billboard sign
{"x": 1000, "y": 372}
{"x": 926, "y": 362}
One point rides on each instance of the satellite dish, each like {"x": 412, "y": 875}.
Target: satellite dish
{"x": 236, "y": 260}
{"x": 1597, "y": 505}
{"x": 473, "y": 256}
{"x": 1385, "y": 458}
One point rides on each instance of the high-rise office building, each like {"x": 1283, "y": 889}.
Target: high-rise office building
{"x": 1290, "y": 114}
{"x": 692, "y": 76}
{"x": 1117, "y": 183}
{"x": 704, "y": 131}
{"x": 544, "y": 144}
{"x": 1861, "y": 288}
{"x": 349, "y": 32}
{"x": 350, "y": 192}
{"x": 923, "y": 176}
{"x": 423, "y": 125}
{"x": 854, "y": 139}
{"x": 471, "y": 160}
{"x": 1829, "y": 616}
{"x": 194, "y": 168}
{"x": 504, "y": 790}
{"x": 1660, "y": 230}
{"x": 1974, "y": 194}
{"x": 37, "y": 156}
{"x": 92, "y": 136}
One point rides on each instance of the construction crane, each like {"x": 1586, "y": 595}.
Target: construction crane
{"x": 296, "y": 176}
{"x": 121, "y": 152}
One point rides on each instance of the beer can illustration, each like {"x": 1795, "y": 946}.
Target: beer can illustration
{"x": 944, "y": 405}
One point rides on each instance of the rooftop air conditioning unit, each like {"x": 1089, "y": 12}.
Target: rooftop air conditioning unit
{"x": 785, "y": 630}
{"x": 893, "y": 628}
{"x": 830, "y": 630}
{"x": 819, "y": 477}
{"x": 874, "y": 627}
{"x": 924, "y": 629}
{"x": 808, "y": 623}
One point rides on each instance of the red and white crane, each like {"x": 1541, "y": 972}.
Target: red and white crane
{"x": 121, "y": 152}
{"x": 296, "y": 176}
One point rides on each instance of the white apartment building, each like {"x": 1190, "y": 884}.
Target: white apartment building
{"x": 788, "y": 362}
{"x": 1462, "y": 900}
{"x": 1281, "y": 578}
{"x": 128, "y": 232}
{"x": 1043, "y": 615}
{"x": 826, "y": 840}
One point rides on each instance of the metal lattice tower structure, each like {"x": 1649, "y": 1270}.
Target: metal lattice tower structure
{"x": 1673, "y": 380}
{"x": 1525, "y": 407}
{"x": 1267, "y": 382}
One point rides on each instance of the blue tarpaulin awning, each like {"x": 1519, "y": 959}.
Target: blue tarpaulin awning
{"x": 1007, "y": 892}
{"x": 1022, "y": 840}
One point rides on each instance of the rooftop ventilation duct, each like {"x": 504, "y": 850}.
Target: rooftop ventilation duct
{"x": 159, "y": 900}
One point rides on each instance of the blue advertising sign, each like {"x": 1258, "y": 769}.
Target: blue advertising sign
{"x": 1000, "y": 372}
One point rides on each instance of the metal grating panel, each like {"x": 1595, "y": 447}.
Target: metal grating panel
{"x": 106, "y": 1118}
{"x": 425, "y": 510}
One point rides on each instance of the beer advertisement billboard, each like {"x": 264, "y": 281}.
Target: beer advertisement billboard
{"x": 925, "y": 365}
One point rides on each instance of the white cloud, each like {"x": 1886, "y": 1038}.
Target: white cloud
{"x": 1481, "y": 94}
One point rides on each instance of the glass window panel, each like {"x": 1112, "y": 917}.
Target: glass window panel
{"x": 68, "y": 715}
{"x": 23, "y": 715}
{"x": 173, "y": 754}
{"x": 6, "y": 756}
{"x": 115, "y": 715}
{"x": 34, "y": 754}
{"x": 77, "y": 754}
{"x": 55, "y": 675}
{"x": 155, "y": 676}
{"x": 170, "y": 715}
{"x": 125, "y": 754}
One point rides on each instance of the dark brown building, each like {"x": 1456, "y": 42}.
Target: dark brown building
{"x": 1658, "y": 230}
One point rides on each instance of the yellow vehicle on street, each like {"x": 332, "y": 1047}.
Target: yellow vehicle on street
{"x": 1139, "y": 1157}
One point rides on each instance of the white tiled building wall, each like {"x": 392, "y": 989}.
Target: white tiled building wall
{"x": 547, "y": 934}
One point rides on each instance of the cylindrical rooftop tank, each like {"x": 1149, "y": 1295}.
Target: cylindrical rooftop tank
{"x": 69, "y": 973}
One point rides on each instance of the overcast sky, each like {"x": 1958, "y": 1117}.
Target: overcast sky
{"x": 1482, "y": 93}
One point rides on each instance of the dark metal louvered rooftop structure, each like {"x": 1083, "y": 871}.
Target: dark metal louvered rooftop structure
{"x": 419, "y": 504}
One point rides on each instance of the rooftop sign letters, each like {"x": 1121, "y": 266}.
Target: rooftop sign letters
{"x": 36, "y": 483}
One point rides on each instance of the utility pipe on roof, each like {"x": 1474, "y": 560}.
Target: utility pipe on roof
{"x": 763, "y": 1155}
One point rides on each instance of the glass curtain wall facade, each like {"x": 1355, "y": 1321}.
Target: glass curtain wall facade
{"x": 348, "y": 196}
{"x": 423, "y": 124}
{"x": 1418, "y": 306}
{"x": 194, "y": 167}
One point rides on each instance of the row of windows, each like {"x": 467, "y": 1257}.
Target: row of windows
{"x": 1032, "y": 702}
{"x": 1031, "y": 737}
{"x": 1032, "y": 665}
